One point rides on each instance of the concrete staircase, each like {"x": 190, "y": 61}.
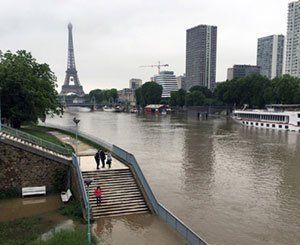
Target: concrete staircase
{"x": 121, "y": 194}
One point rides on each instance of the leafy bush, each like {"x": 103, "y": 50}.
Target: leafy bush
{"x": 72, "y": 209}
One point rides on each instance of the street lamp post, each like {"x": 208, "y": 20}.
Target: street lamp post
{"x": 0, "y": 111}
{"x": 76, "y": 121}
{"x": 88, "y": 182}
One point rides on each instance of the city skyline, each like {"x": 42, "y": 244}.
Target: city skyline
{"x": 110, "y": 45}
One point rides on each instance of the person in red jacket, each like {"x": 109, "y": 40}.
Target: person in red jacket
{"x": 98, "y": 194}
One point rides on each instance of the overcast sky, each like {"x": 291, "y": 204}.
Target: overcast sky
{"x": 113, "y": 38}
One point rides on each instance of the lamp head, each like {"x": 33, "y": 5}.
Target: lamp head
{"x": 88, "y": 181}
{"x": 75, "y": 120}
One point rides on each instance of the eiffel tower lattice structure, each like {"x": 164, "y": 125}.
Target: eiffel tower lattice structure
{"x": 72, "y": 83}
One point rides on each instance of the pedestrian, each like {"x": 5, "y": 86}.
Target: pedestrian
{"x": 98, "y": 194}
{"x": 102, "y": 157}
{"x": 97, "y": 158}
{"x": 108, "y": 159}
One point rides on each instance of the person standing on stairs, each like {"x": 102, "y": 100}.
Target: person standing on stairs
{"x": 98, "y": 194}
{"x": 102, "y": 157}
{"x": 108, "y": 159}
{"x": 97, "y": 158}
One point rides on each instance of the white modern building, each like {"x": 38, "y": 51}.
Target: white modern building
{"x": 168, "y": 81}
{"x": 292, "y": 62}
{"x": 270, "y": 55}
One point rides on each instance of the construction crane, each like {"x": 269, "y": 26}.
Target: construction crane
{"x": 158, "y": 66}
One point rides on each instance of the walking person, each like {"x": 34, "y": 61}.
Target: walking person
{"x": 102, "y": 157}
{"x": 108, "y": 159}
{"x": 98, "y": 194}
{"x": 97, "y": 158}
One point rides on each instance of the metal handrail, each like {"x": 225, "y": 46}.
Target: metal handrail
{"x": 37, "y": 141}
{"x": 81, "y": 182}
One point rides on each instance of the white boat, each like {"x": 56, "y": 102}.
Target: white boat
{"x": 275, "y": 116}
{"x": 108, "y": 109}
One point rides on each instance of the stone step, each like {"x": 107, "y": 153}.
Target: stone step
{"x": 107, "y": 176}
{"x": 119, "y": 193}
{"x": 116, "y": 188}
{"x": 105, "y": 185}
{"x": 118, "y": 210}
{"x": 117, "y": 206}
{"x": 119, "y": 214}
{"x": 107, "y": 171}
{"x": 118, "y": 201}
{"x": 113, "y": 182}
{"x": 120, "y": 197}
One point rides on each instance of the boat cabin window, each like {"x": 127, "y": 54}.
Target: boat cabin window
{"x": 298, "y": 124}
{"x": 280, "y": 126}
{"x": 256, "y": 124}
{"x": 268, "y": 125}
{"x": 286, "y": 127}
{"x": 299, "y": 115}
{"x": 261, "y": 124}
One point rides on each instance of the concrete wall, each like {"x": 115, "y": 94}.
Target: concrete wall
{"x": 20, "y": 168}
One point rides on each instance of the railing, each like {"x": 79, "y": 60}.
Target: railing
{"x": 130, "y": 160}
{"x": 81, "y": 182}
{"x": 159, "y": 209}
{"x": 36, "y": 141}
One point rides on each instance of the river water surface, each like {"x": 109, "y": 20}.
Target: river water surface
{"x": 229, "y": 183}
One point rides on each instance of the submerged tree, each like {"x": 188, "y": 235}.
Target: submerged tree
{"x": 27, "y": 89}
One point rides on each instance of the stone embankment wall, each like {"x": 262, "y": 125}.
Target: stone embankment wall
{"x": 20, "y": 168}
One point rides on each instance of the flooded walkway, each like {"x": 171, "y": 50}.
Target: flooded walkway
{"x": 15, "y": 208}
{"x": 135, "y": 229}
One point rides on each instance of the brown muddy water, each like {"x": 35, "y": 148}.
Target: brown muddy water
{"x": 229, "y": 183}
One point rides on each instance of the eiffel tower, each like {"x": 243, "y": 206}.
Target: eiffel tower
{"x": 71, "y": 84}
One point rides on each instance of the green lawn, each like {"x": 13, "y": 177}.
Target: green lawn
{"x": 43, "y": 133}
{"x": 29, "y": 230}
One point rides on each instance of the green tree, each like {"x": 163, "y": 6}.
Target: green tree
{"x": 195, "y": 98}
{"x": 28, "y": 89}
{"x": 149, "y": 93}
{"x": 178, "y": 97}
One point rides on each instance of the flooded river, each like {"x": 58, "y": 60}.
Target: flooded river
{"x": 231, "y": 184}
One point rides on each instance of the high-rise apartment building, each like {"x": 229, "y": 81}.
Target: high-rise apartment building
{"x": 270, "y": 55}
{"x": 135, "y": 83}
{"x": 201, "y": 52}
{"x": 240, "y": 71}
{"x": 292, "y": 62}
{"x": 168, "y": 81}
